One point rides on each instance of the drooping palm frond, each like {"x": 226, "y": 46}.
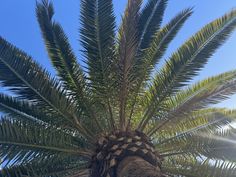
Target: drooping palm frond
{"x": 23, "y": 142}
{"x": 214, "y": 146}
{"x": 195, "y": 168}
{"x": 28, "y": 80}
{"x": 198, "y": 120}
{"x": 50, "y": 167}
{"x": 221, "y": 145}
{"x": 27, "y": 111}
{"x": 186, "y": 62}
{"x": 198, "y": 96}
{"x": 199, "y": 144}
{"x": 13, "y": 107}
{"x": 32, "y": 113}
{"x": 186, "y": 131}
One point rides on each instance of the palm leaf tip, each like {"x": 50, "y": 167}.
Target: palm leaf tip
{"x": 150, "y": 21}
{"x": 97, "y": 38}
{"x": 202, "y": 45}
{"x": 150, "y": 57}
{"x": 59, "y": 49}
{"x": 160, "y": 42}
{"x": 64, "y": 60}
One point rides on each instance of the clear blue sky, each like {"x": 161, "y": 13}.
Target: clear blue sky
{"x": 19, "y": 26}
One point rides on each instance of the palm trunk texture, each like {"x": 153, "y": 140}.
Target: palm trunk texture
{"x": 126, "y": 154}
{"x": 137, "y": 167}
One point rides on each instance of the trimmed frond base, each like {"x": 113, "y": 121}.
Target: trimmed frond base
{"x": 115, "y": 147}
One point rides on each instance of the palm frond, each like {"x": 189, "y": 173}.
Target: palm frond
{"x": 59, "y": 49}
{"x": 218, "y": 145}
{"x": 160, "y": 42}
{"x": 186, "y": 62}
{"x": 127, "y": 48}
{"x": 50, "y": 167}
{"x": 213, "y": 145}
{"x": 27, "y": 111}
{"x": 186, "y": 130}
{"x": 151, "y": 56}
{"x": 63, "y": 59}
{"x": 196, "y": 168}
{"x": 196, "y": 119}
{"x": 29, "y": 81}
{"x": 21, "y": 142}
{"x": 150, "y": 21}
{"x": 97, "y": 37}
{"x": 18, "y": 108}
{"x": 197, "y": 96}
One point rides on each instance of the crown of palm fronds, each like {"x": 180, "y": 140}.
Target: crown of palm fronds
{"x": 53, "y": 126}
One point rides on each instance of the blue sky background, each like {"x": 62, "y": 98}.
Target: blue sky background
{"x": 19, "y": 26}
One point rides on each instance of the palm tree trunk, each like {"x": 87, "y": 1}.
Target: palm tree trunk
{"x": 137, "y": 167}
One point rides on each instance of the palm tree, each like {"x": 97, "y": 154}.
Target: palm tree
{"x": 117, "y": 116}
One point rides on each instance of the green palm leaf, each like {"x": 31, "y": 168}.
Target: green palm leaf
{"x": 27, "y": 79}
{"x": 197, "y": 119}
{"x": 32, "y": 113}
{"x": 186, "y": 62}
{"x": 50, "y": 167}
{"x": 150, "y": 21}
{"x": 27, "y": 111}
{"x": 21, "y": 142}
{"x": 204, "y": 144}
{"x": 196, "y": 168}
{"x": 63, "y": 58}
{"x": 97, "y": 37}
{"x": 151, "y": 56}
{"x": 59, "y": 50}
{"x": 184, "y": 131}
{"x": 160, "y": 42}
{"x": 200, "y": 95}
